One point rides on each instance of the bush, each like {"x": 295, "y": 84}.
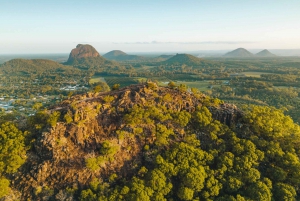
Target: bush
{"x": 4, "y": 187}
{"x": 12, "y": 148}
{"x": 108, "y": 99}
{"x": 53, "y": 118}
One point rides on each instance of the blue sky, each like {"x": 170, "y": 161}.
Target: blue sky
{"x": 42, "y": 26}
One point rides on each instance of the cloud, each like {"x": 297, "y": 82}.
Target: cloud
{"x": 188, "y": 43}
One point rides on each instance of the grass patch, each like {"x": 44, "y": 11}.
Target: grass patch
{"x": 95, "y": 79}
{"x": 254, "y": 74}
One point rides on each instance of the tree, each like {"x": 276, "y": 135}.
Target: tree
{"x": 37, "y": 106}
{"x": 97, "y": 89}
{"x": 139, "y": 191}
{"x": 53, "y": 118}
{"x": 12, "y": 153}
{"x": 284, "y": 192}
{"x": 171, "y": 84}
{"x": 88, "y": 195}
{"x": 115, "y": 86}
{"x": 12, "y": 149}
{"x": 182, "y": 88}
{"x": 4, "y": 187}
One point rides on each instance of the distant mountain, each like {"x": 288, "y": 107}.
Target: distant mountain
{"x": 186, "y": 59}
{"x": 265, "y": 53}
{"x": 31, "y": 66}
{"x": 83, "y": 51}
{"x": 240, "y": 52}
{"x": 87, "y": 57}
{"x": 163, "y": 57}
{"x": 180, "y": 59}
{"x": 119, "y": 55}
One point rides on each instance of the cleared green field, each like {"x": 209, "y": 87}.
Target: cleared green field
{"x": 160, "y": 79}
{"x": 181, "y": 77}
{"x": 144, "y": 68}
{"x": 97, "y": 79}
{"x": 254, "y": 74}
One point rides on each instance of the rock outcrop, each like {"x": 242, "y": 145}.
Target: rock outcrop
{"x": 82, "y": 51}
{"x": 86, "y": 57}
{"x": 57, "y": 160}
{"x": 227, "y": 114}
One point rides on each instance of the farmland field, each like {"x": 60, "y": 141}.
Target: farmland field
{"x": 254, "y": 74}
{"x": 97, "y": 79}
{"x": 160, "y": 79}
{"x": 181, "y": 77}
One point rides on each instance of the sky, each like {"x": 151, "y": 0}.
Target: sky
{"x": 57, "y": 26}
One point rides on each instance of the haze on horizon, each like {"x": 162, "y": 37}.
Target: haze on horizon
{"x": 145, "y": 26}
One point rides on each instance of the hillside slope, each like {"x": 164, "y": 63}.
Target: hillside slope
{"x": 146, "y": 142}
{"x": 31, "y": 66}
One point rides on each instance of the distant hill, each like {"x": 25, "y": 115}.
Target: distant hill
{"x": 265, "y": 53}
{"x": 119, "y": 55}
{"x": 163, "y": 57}
{"x": 187, "y": 59}
{"x": 31, "y": 66}
{"x": 240, "y": 52}
{"x": 180, "y": 59}
{"x": 87, "y": 57}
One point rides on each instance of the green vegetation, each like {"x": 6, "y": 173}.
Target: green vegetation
{"x": 4, "y": 187}
{"x": 12, "y": 153}
{"x": 107, "y": 153}
{"x": 115, "y": 86}
{"x": 172, "y": 150}
{"x": 122, "y": 81}
{"x": 259, "y": 163}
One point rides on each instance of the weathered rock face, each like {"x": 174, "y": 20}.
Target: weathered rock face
{"x": 226, "y": 113}
{"x": 58, "y": 158}
{"x": 82, "y": 51}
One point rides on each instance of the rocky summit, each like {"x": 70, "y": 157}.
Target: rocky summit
{"x": 86, "y": 57}
{"x": 82, "y": 51}
{"x": 61, "y": 151}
